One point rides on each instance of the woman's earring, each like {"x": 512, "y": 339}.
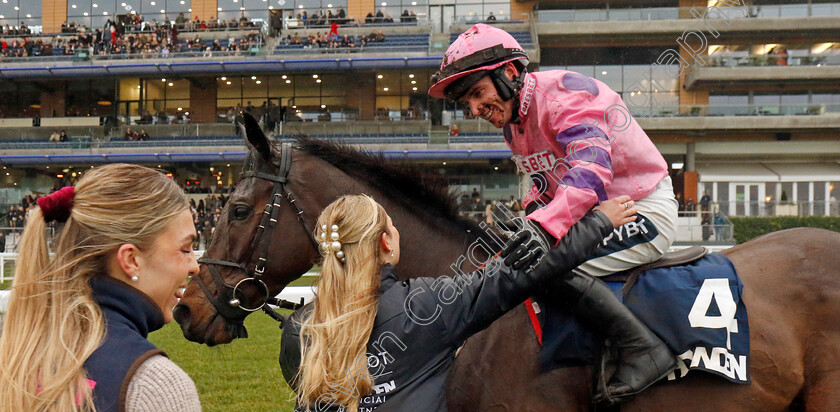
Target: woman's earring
{"x": 392, "y": 254}
{"x": 135, "y": 278}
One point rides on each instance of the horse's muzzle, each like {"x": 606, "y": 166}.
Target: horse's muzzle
{"x": 181, "y": 314}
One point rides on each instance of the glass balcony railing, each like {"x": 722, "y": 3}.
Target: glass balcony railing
{"x": 761, "y": 208}
{"x": 656, "y": 13}
{"x": 735, "y": 110}
{"x": 671, "y": 13}
{"x": 773, "y": 60}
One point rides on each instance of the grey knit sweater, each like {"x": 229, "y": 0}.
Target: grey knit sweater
{"x": 159, "y": 385}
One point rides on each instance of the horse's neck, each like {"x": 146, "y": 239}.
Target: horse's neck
{"x": 438, "y": 250}
{"x": 427, "y": 249}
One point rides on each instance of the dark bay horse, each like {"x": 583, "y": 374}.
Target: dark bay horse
{"x": 792, "y": 290}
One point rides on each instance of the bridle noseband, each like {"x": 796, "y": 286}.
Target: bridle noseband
{"x": 229, "y": 303}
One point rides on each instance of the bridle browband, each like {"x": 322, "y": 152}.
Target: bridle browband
{"x": 229, "y": 303}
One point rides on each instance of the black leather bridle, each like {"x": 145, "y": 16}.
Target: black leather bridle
{"x": 229, "y": 302}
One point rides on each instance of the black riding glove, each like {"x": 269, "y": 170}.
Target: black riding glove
{"x": 576, "y": 246}
{"x": 523, "y": 250}
{"x": 518, "y": 224}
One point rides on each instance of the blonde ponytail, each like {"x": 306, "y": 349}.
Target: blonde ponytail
{"x": 334, "y": 338}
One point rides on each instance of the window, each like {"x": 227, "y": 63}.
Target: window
{"x": 258, "y": 9}
{"x": 15, "y": 12}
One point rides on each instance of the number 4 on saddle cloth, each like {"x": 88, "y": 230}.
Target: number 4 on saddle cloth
{"x": 696, "y": 309}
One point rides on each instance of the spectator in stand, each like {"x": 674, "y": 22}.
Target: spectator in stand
{"x": 206, "y": 231}
{"x": 782, "y": 56}
{"x": 721, "y": 229}
{"x": 706, "y": 225}
{"x": 405, "y": 17}
{"x": 180, "y": 21}
{"x": 288, "y": 20}
{"x": 491, "y": 18}
{"x": 62, "y": 137}
{"x": 333, "y": 32}
{"x": 129, "y": 135}
{"x": 243, "y": 21}
{"x": 388, "y": 19}
{"x": 54, "y": 136}
{"x": 143, "y": 135}
{"x": 379, "y": 16}
{"x": 369, "y": 18}
{"x": 342, "y": 15}
{"x": 13, "y": 217}
{"x": 705, "y": 201}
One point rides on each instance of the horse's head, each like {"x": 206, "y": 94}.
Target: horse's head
{"x": 237, "y": 272}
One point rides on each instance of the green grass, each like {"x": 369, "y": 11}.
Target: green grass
{"x": 304, "y": 281}
{"x": 8, "y": 272}
{"x": 241, "y": 376}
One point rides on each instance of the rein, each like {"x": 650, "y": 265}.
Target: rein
{"x": 229, "y": 303}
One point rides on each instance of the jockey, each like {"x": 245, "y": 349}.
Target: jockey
{"x": 578, "y": 142}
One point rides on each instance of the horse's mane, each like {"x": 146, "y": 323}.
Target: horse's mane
{"x": 424, "y": 195}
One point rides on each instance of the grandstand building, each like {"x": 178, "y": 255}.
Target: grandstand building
{"x": 742, "y": 97}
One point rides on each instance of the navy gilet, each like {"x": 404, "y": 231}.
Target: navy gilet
{"x": 129, "y": 317}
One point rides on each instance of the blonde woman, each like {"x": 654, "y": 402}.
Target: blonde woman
{"x": 74, "y": 338}
{"x": 370, "y": 341}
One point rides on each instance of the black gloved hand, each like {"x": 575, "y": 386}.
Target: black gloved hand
{"x": 523, "y": 250}
{"x": 533, "y": 206}
{"x": 518, "y": 224}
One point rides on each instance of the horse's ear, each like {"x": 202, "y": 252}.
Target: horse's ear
{"x": 254, "y": 136}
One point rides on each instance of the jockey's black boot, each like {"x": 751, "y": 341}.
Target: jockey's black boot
{"x": 643, "y": 357}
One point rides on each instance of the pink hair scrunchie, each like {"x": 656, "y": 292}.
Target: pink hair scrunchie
{"x": 58, "y": 205}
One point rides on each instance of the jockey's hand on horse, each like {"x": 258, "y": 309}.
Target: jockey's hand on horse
{"x": 620, "y": 210}
{"x": 523, "y": 250}
{"x": 519, "y": 224}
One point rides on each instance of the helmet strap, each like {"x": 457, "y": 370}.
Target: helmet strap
{"x": 507, "y": 88}
{"x": 504, "y": 86}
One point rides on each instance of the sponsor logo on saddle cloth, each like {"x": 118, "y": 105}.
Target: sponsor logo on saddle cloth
{"x": 696, "y": 309}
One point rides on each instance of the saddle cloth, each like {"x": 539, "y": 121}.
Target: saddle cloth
{"x": 697, "y": 309}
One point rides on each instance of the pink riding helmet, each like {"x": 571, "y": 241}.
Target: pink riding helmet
{"x": 480, "y": 48}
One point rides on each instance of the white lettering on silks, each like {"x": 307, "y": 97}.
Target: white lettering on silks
{"x": 373, "y": 399}
{"x": 720, "y": 360}
{"x": 385, "y": 387}
{"x": 627, "y": 230}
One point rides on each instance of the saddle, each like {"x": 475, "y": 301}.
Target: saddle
{"x": 676, "y": 258}
{"x": 693, "y": 284}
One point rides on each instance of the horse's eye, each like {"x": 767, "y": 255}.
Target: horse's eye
{"x": 241, "y": 212}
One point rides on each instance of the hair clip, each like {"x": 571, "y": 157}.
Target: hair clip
{"x": 333, "y": 245}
